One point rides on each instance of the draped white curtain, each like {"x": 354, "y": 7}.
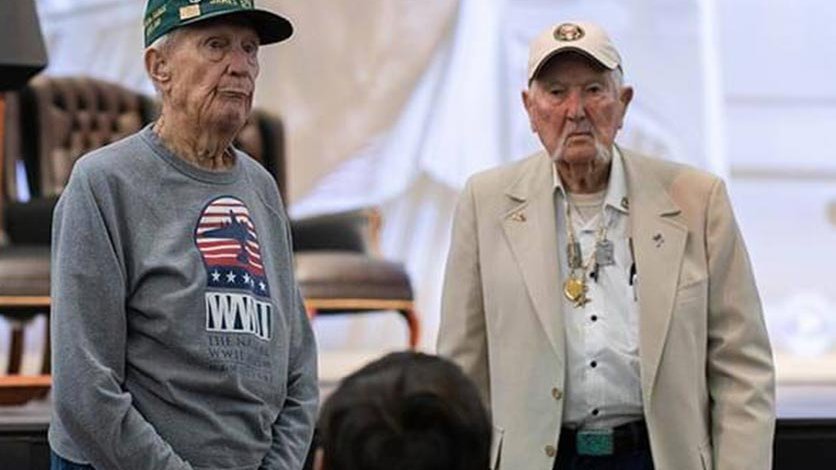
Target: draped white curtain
{"x": 395, "y": 103}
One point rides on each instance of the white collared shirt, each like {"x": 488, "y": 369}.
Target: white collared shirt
{"x": 603, "y": 385}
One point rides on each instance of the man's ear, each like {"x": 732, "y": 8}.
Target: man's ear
{"x": 157, "y": 67}
{"x": 625, "y": 97}
{"x": 528, "y": 103}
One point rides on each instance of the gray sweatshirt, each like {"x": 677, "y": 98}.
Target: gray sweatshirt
{"x": 179, "y": 336}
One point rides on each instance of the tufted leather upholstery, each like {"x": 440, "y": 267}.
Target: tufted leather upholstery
{"x": 68, "y": 117}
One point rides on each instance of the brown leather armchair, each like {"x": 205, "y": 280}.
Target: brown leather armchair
{"x": 59, "y": 120}
{"x": 338, "y": 266}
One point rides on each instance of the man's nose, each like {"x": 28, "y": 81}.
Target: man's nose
{"x": 574, "y": 106}
{"x": 240, "y": 62}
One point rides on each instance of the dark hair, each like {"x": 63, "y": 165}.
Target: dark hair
{"x": 405, "y": 411}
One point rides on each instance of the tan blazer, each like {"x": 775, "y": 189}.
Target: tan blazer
{"x": 706, "y": 364}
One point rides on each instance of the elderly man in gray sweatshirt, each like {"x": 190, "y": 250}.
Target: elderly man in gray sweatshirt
{"x": 180, "y": 339}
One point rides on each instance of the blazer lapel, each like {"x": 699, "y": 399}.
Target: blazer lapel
{"x": 530, "y": 229}
{"x": 659, "y": 245}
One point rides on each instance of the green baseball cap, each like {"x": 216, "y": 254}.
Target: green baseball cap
{"x": 163, "y": 16}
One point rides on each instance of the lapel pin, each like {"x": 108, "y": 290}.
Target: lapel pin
{"x": 518, "y": 217}
{"x": 659, "y": 239}
{"x": 625, "y": 203}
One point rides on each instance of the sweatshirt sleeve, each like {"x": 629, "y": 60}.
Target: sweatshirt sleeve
{"x": 293, "y": 429}
{"x": 89, "y": 330}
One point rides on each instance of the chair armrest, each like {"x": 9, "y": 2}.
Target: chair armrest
{"x": 30, "y": 222}
{"x": 18, "y": 389}
{"x": 356, "y": 231}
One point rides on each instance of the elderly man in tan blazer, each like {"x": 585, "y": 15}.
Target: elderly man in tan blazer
{"x": 603, "y": 301}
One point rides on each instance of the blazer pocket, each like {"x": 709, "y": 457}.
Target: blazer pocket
{"x": 496, "y": 447}
{"x": 705, "y": 455}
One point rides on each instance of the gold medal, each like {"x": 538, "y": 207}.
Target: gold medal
{"x": 575, "y": 290}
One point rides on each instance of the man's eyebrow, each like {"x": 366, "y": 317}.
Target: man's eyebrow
{"x": 550, "y": 82}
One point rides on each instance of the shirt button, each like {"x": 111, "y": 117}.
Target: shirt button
{"x": 593, "y": 364}
{"x": 594, "y": 318}
{"x": 557, "y": 394}
{"x": 551, "y": 451}
{"x": 595, "y": 412}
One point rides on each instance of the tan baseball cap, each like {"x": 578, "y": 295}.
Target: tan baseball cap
{"x": 579, "y": 36}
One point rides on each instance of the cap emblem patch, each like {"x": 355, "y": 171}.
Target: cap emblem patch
{"x": 189, "y": 12}
{"x": 568, "y": 32}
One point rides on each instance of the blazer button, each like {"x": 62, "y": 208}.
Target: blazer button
{"x": 557, "y": 394}
{"x": 551, "y": 451}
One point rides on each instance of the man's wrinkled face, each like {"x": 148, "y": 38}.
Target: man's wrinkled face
{"x": 576, "y": 108}
{"x": 213, "y": 70}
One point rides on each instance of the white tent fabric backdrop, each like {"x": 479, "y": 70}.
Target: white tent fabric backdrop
{"x": 396, "y": 103}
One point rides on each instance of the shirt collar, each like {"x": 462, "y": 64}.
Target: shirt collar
{"x": 616, "y": 186}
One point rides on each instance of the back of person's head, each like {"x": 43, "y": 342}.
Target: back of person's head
{"x": 406, "y": 411}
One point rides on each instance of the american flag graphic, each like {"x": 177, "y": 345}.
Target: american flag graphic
{"x": 228, "y": 242}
